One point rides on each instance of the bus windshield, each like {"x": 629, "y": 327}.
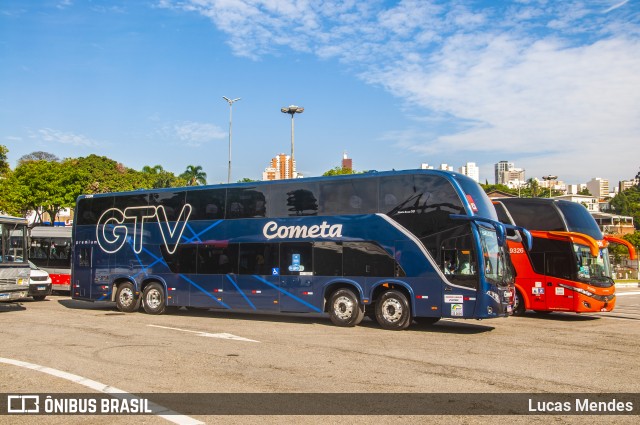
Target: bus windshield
{"x": 497, "y": 268}
{"x": 593, "y": 270}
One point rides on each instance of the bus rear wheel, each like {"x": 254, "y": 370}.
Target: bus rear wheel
{"x": 393, "y": 311}
{"x": 344, "y": 308}
{"x": 153, "y": 299}
{"x": 126, "y": 299}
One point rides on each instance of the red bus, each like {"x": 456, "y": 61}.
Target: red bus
{"x": 567, "y": 267}
{"x": 50, "y": 249}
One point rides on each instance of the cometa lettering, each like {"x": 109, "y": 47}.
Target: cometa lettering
{"x": 271, "y": 230}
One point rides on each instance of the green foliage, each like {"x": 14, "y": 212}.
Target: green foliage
{"x": 633, "y": 238}
{"x": 339, "y": 171}
{"x": 585, "y": 192}
{"x": 157, "y": 177}
{"x": 4, "y": 161}
{"x": 246, "y": 180}
{"x": 628, "y": 203}
{"x": 501, "y": 187}
{"x": 38, "y": 156}
{"x": 194, "y": 175}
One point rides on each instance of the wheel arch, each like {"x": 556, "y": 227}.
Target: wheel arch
{"x": 332, "y": 286}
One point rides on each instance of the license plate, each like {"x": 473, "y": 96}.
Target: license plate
{"x": 42, "y": 288}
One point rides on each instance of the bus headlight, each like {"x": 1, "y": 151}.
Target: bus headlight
{"x": 578, "y": 290}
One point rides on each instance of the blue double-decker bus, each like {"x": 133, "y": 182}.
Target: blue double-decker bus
{"x": 395, "y": 246}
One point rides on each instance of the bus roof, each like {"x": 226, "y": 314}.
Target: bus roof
{"x": 449, "y": 175}
{"x": 14, "y": 220}
{"x": 551, "y": 215}
{"x": 51, "y": 231}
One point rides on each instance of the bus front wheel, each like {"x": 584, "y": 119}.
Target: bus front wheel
{"x": 393, "y": 311}
{"x": 518, "y": 304}
{"x": 153, "y": 299}
{"x": 344, "y": 309}
{"x": 126, "y": 299}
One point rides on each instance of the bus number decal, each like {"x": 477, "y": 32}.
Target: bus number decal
{"x": 516, "y": 250}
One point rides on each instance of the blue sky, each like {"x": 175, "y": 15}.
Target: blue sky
{"x": 553, "y": 86}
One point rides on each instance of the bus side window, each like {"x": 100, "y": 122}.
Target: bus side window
{"x": 327, "y": 258}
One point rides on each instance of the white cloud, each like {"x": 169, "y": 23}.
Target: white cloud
{"x": 192, "y": 133}
{"x": 557, "y": 80}
{"x": 66, "y": 138}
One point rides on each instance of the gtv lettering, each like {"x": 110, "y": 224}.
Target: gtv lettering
{"x": 271, "y": 230}
{"x": 112, "y": 233}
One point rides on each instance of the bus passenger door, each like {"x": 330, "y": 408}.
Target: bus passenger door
{"x": 296, "y": 279}
{"x": 82, "y": 272}
{"x": 558, "y": 275}
{"x": 254, "y": 287}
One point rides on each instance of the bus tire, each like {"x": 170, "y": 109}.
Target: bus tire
{"x": 153, "y": 299}
{"x": 393, "y": 311}
{"x": 126, "y": 299}
{"x": 518, "y": 304}
{"x": 344, "y": 308}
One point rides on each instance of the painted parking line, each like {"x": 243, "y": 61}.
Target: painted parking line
{"x": 167, "y": 414}
{"x": 206, "y": 334}
{"x": 619, "y": 294}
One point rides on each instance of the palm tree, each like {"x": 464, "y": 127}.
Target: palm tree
{"x": 194, "y": 175}
{"x": 534, "y": 187}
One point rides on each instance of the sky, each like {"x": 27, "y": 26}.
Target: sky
{"x": 552, "y": 86}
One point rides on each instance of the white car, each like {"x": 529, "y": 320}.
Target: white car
{"x": 39, "y": 284}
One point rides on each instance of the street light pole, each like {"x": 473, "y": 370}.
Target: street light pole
{"x": 292, "y": 110}
{"x": 230, "y": 102}
{"x": 549, "y": 179}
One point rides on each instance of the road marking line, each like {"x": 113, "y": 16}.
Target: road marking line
{"x": 619, "y": 294}
{"x": 206, "y": 334}
{"x": 169, "y": 415}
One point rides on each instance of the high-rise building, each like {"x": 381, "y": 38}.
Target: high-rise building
{"x": 500, "y": 168}
{"x": 445, "y": 167}
{"x": 471, "y": 170}
{"x": 280, "y": 168}
{"x": 347, "y": 163}
{"x": 598, "y": 187}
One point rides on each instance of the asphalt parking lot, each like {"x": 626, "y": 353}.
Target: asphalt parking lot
{"x": 82, "y": 347}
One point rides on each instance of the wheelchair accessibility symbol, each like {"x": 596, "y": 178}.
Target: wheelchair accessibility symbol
{"x": 275, "y": 271}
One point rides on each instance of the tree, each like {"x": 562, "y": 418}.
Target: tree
{"x": 584, "y": 192}
{"x": 4, "y": 161}
{"x": 41, "y": 185}
{"x": 194, "y": 175}
{"x": 158, "y": 177}
{"x": 338, "y": 171}
{"x": 534, "y": 187}
{"x": 246, "y": 180}
{"x": 38, "y": 156}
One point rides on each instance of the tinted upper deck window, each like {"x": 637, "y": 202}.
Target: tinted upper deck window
{"x": 579, "y": 220}
{"x": 172, "y": 203}
{"x": 90, "y": 209}
{"x": 247, "y": 202}
{"x": 349, "y": 196}
{"x": 421, "y": 203}
{"x": 293, "y": 200}
{"x": 207, "y": 204}
{"x": 535, "y": 215}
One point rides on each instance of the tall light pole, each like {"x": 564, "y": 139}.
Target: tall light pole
{"x": 230, "y": 101}
{"x": 292, "y": 110}
{"x": 549, "y": 179}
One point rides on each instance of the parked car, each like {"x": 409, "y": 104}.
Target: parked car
{"x": 39, "y": 284}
